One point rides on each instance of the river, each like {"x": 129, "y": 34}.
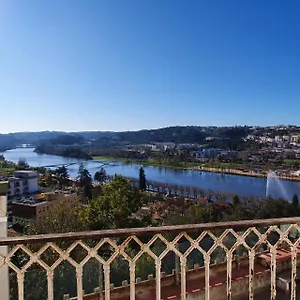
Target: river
{"x": 241, "y": 185}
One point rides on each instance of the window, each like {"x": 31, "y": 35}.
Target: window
{"x": 17, "y": 184}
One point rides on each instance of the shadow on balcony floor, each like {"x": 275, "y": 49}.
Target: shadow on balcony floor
{"x": 266, "y": 293}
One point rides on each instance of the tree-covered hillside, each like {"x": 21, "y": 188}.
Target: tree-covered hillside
{"x": 183, "y": 134}
{"x": 7, "y": 142}
{"x": 224, "y": 137}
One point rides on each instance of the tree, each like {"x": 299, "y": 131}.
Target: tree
{"x": 142, "y": 179}
{"x": 100, "y": 175}
{"x": 63, "y": 218}
{"x": 84, "y": 179}
{"x": 62, "y": 176}
{"x": 113, "y": 209}
{"x": 22, "y": 164}
{"x": 235, "y": 201}
{"x": 193, "y": 215}
{"x": 295, "y": 201}
{"x": 47, "y": 180}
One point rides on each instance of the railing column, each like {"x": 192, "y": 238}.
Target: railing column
{"x": 229, "y": 274}
{"x": 79, "y": 274}
{"x": 206, "y": 263}
{"x": 107, "y": 281}
{"x": 20, "y": 279}
{"x": 4, "y": 278}
{"x": 251, "y": 274}
{"x": 132, "y": 280}
{"x": 50, "y": 284}
{"x": 177, "y": 267}
{"x": 183, "y": 277}
{"x": 273, "y": 272}
{"x": 293, "y": 272}
{"x": 158, "y": 279}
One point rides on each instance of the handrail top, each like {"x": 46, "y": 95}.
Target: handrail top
{"x": 88, "y": 235}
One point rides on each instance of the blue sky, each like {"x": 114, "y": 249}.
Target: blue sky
{"x": 126, "y": 65}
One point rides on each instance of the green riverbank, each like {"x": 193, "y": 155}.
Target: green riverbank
{"x": 151, "y": 162}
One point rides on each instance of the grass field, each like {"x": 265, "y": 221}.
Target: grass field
{"x": 150, "y": 162}
{"x": 103, "y": 158}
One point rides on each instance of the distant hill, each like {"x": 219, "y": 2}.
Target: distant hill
{"x": 35, "y": 137}
{"x": 68, "y": 139}
{"x": 7, "y": 142}
{"x": 176, "y": 134}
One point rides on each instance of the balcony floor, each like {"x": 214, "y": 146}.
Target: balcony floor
{"x": 266, "y": 293}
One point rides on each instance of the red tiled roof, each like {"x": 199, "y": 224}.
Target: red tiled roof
{"x": 203, "y": 200}
{"x": 221, "y": 203}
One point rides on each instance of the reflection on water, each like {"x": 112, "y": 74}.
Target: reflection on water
{"x": 241, "y": 185}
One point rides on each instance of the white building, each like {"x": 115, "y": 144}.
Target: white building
{"x": 23, "y": 183}
{"x": 270, "y": 140}
{"x": 207, "y": 153}
{"x": 165, "y": 145}
{"x": 286, "y": 138}
{"x": 295, "y": 138}
{"x": 278, "y": 138}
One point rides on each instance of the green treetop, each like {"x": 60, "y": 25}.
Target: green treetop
{"x": 115, "y": 206}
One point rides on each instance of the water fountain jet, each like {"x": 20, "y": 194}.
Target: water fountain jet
{"x": 275, "y": 187}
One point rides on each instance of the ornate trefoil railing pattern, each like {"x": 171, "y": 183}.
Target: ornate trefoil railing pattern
{"x": 104, "y": 246}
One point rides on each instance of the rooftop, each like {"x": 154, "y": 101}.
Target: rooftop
{"x": 18, "y": 175}
{"x": 25, "y": 171}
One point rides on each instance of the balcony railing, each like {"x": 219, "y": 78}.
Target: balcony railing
{"x": 201, "y": 261}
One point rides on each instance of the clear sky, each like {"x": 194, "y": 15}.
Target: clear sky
{"x": 131, "y": 64}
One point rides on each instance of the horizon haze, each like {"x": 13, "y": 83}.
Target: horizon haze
{"x": 147, "y": 129}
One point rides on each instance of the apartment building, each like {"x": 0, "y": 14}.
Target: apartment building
{"x": 23, "y": 183}
{"x": 40, "y": 207}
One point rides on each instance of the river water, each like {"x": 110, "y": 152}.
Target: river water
{"x": 241, "y": 185}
